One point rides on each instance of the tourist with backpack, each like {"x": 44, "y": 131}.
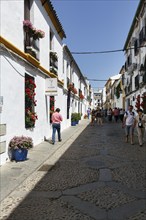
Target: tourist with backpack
{"x": 129, "y": 123}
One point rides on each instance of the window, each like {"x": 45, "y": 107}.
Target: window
{"x": 52, "y": 103}
{"x": 30, "y": 102}
{"x": 137, "y": 82}
{"x": 136, "y": 45}
{"x": 68, "y": 103}
{"x": 51, "y": 40}
{"x": 67, "y": 68}
{"x": 31, "y": 44}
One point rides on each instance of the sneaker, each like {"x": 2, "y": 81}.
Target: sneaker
{"x": 60, "y": 140}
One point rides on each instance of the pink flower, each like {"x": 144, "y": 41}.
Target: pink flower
{"x": 27, "y": 23}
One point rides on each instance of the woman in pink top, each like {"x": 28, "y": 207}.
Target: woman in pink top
{"x": 116, "y": 114}
{"x": 56, "y": 125}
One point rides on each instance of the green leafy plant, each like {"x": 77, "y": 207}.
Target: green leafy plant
{"x": 74, "y": 117}
{"x": 117, "y": 91}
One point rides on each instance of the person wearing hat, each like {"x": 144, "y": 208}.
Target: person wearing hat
{"x": 56, "y": 125}
{"x": 140, "y": 125}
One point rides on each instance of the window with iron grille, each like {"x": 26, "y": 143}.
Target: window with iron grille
{"x": 136, "y": 49}
{"x": 142, "y": 35}
{"x": 137, "y": 82}
{"x": 30, "y": 102}
{"x": 31, "y": 45}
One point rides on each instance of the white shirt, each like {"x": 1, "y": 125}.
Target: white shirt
{"x": 130, "y": 116}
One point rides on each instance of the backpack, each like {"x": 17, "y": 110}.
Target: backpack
{"x": 133, "y": 113}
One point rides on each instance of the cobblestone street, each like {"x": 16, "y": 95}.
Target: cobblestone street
{"x": 98, "y": 177}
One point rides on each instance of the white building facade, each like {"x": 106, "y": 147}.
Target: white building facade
{"x": 29, "y": 59}
{"x": 135, "y": 65}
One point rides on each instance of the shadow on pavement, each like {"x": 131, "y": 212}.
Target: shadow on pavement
{"x": 98, "y": 177}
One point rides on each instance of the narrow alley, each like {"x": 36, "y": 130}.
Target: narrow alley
{"x": 98, "y": 177}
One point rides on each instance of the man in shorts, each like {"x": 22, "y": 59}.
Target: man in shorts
{"x": 129, "y": 123}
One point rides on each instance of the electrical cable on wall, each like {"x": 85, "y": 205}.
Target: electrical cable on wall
{"x": 11, "y": 55}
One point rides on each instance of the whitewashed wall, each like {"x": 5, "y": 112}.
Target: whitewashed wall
{"x": 139, "y": 59}
{"x": 13, "y": 76}
{"x": 13, "y": 72}
{"x": 12, "y": 16}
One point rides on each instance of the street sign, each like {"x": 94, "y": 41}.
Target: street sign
{"x": 51, "y": 86}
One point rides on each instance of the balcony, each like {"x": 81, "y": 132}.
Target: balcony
{"x": 31, "y": 45}
{"x": 31, "y": 39}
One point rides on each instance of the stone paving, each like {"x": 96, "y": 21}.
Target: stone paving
{"x": 98, "y": 177}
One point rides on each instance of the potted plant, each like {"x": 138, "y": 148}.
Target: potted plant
{"x": 39, "y": 34}
{"x": 79, "y": 116}
{"x": 81, "y": 96}
{"x": 19, "y": 146}
{"x": 33, "y": 32}
{"x": 74, "y": 119}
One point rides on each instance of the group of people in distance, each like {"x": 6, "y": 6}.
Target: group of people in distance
{"x": 100, "y": 114}
{"x": 130, "y": 120}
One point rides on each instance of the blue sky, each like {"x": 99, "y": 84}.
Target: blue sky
{"x": 96, "y": 25}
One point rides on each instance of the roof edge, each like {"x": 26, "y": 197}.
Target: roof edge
{"x": 141, "y": 3}
{"x": 54, "y": 18}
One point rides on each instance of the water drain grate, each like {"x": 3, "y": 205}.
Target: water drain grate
{"x": 45, "y": 167}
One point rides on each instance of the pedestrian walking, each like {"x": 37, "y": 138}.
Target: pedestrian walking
{"x": 99, "y": 117}
{"x": 140, "y": 125}
{"x": 88, "y": 112}
{"x": 121, "y": 114}
{"x": 93, "y": 113}
{"x": 109, "y": 114}
{"x": 116, "y": 114}
{"x": 56, "y": 125}
{"x": 129, "y": 123}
